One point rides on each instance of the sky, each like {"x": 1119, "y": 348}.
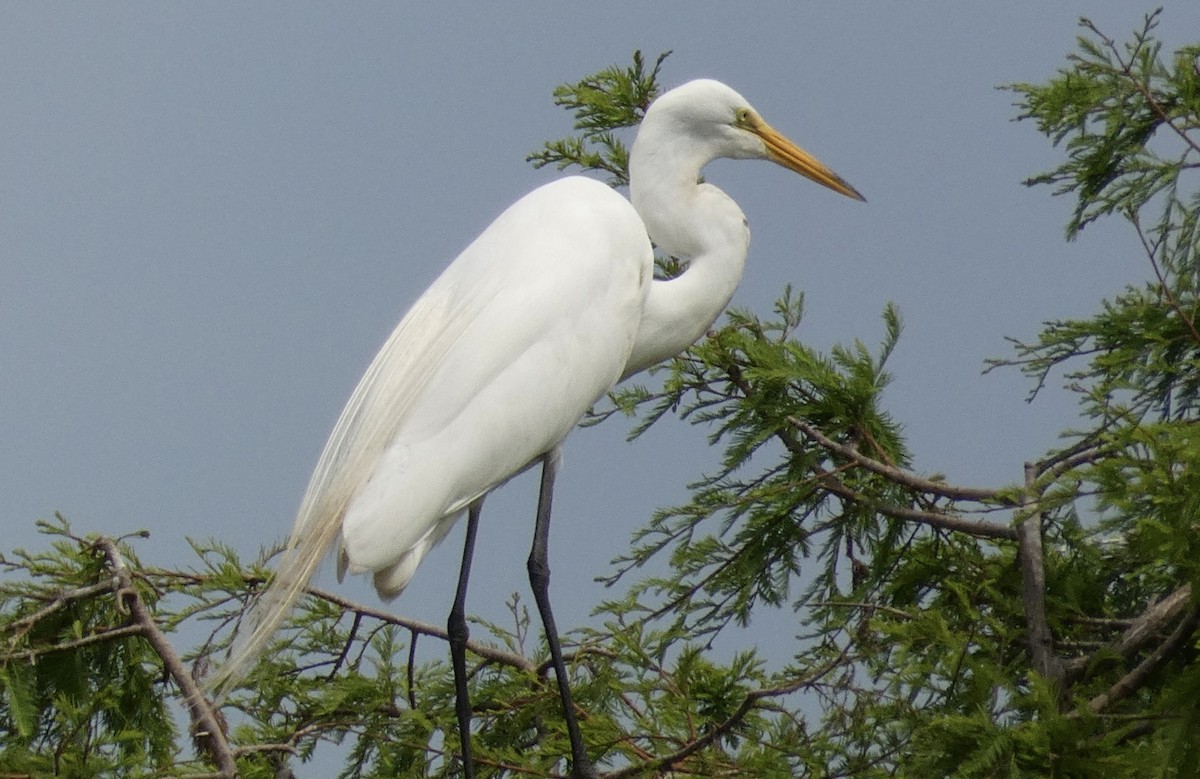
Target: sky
{"x": 211, "y": 216}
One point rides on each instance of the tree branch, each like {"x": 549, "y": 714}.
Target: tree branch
{"x": 1152, "y": 255}
{"x": 22, "y": 625}
{"x": 485, "y": 651}
{"x": 67, "y": 646}
{"x": 940, "y": 520}
{"x": 1130, "y": 682}
{"x": 207, "y": 728}
{"x": 951, "y": 522}
{"x": 897, "y": 475}
{"x": 748, "y": 704}
{"x": 1143, "y": 88}
{"x": 1033, "y": 583}
{"x": 1085, "y": 450}
{"x": 1139, "y": 632}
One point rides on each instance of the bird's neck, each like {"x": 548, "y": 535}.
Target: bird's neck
{"x": 700, "y": 225}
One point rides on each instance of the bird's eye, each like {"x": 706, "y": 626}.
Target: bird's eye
{"x": 741, "y": 117}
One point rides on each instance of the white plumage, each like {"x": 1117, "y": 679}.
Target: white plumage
{"x": 498, "y": 360}
{"x": 503, "y": 384}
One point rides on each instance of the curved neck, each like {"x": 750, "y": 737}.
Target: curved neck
{"x": 697, "y": 223}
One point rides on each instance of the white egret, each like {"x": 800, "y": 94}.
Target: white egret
{"x": 495, "y": 364}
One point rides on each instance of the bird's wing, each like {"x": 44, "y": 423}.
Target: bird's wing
{"x": 367, "y": 424}
{"x": 570, "y": 249}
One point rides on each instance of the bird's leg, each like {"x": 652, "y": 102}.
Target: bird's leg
{"x": 456, "y": 628}
{"x": 539, "y": 581}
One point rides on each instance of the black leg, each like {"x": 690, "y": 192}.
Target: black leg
{"x": 539, "y": 580}
{"x": 456, "y": 627}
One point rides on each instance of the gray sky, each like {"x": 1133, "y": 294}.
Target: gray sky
{"x": 212, "y": 215}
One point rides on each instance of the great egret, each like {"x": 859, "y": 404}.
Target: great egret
{"x": 498, "y": 360}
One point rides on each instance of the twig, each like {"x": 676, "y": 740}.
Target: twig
{"x": 22, "y": 625}
{"x": 953, "y": 522}
{"x": 341, "y": 658}
{"x": 1151, "y": 254}
{"x": 977, "y": 528}
{"x": 66, "y": 646}
{"x": 254, "y": 749}
{"x": 205, "y": 723}
{"x": 1085, "y": 450}
{"x": 570, "y": 657}
{"x": 751, "y": 701}
{"x": 895, "y": 612}
{"x": 1142, "y": 87}
{"x": 897, "y": 475}
{"x": 486, "y": 651}
{"x": 933, "y": 519}
{"x": 1100, "y": 622}
{"x": 411, "y": 674}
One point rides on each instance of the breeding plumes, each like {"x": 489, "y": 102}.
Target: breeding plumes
{"x": 498, "y": 360}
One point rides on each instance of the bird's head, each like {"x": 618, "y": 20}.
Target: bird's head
{"x": 714, "y": 115}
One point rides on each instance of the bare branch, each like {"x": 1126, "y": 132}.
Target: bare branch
{"x": 897, "y": 475}
{"x": 486, "y": 651}
{"x": 22, "y": 625}
{"x": 1152, "y": 620}
{"x": 942, "y": 521}
{"x": 1033, "y": 583}
{"x": 67, "y": 646}
{"x": 1140, "y": 631}
{"x": 1083, "y": 451}
{"x": 867, "y": 607}
{"x": 206, "y": 724}
{"x": 1130, "y": 682}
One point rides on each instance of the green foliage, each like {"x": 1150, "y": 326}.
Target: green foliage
{"x": 606, "y": 101}
{"x": 73, "y": 702}
{"x": 748, "y": 384}
{"x": 1109, "y": 110}
{"x": 1042, "y": 628}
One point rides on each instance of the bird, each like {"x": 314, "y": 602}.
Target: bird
{"x": 498, "y": 360}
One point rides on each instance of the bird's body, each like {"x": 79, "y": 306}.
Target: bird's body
{"x": 463, "y": 400}
{"x": 497, "y": 361}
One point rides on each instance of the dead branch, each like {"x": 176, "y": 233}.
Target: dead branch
{"x": 205, "y": 722}
{"x": 22, "y": 625}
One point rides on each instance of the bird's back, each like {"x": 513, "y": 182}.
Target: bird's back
{"x": 491, "y": 369}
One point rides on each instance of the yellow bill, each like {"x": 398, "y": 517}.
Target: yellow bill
{"x": 782, "y": 151}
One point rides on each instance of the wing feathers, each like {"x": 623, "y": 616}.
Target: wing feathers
{"x": 383, "y": 397}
